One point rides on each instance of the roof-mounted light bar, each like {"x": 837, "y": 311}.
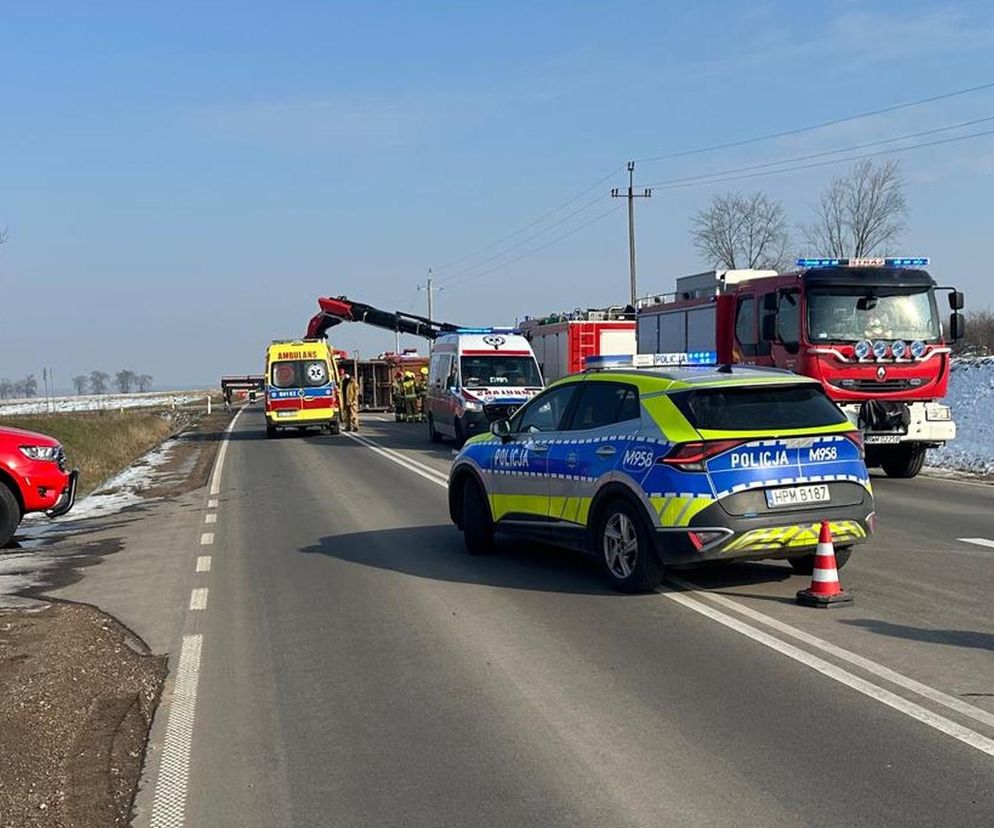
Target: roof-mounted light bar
{"x": 487, "y": 331}
{"x": 875, "y": 261}
{"x": 671, "y": 360}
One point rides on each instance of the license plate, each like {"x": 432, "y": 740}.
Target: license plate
{"x": 286, "y": 413}
{"x": 797, "y": 496}
{"x": 882, "y": 439}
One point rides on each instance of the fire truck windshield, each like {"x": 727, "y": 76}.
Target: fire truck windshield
{"x": 851, "y": 314}
{"x": 481, "y": 371}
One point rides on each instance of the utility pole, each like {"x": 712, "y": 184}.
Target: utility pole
{"x": 430, "y": 290}
{"x": 631, "y": 195}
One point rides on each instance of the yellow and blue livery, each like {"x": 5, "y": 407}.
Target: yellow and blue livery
{"x": 646, "y": 465}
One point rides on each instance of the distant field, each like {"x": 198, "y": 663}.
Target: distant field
{"x": 102, "y": 402}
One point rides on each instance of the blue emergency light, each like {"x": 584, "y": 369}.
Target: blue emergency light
{"x": 873, "y": 261}
{"x": 672, "y": 360}
{"x": 487, "y": 331}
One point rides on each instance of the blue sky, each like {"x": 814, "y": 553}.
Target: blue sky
{"x": 180, "y": 182}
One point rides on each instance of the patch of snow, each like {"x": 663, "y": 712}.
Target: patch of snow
{"x": 99, "y": 402}
{"x": 971, "y": 396}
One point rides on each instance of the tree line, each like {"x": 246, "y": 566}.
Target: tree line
{"x": 125, "y": 381}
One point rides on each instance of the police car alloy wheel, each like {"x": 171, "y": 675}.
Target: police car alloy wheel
{"x": 477, "y": 522}
{"x": 626, "y": 549}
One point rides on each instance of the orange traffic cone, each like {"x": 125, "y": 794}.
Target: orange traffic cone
{"x": 825, "y": 590}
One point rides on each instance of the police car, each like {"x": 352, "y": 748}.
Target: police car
{"x": 655, "y": 460}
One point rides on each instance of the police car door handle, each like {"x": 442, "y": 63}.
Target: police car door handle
{"x": 606, "y": 451}
{"x": 538, "y": 447}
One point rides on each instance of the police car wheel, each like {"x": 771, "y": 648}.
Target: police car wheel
{"x": 477, "y": 524}
{"x": 625, "y": 548}
{"x": 805, "y": 564}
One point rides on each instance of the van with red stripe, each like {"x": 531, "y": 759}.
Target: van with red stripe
{"x": 477, "y": 376}
{"x": 301, "y": 386}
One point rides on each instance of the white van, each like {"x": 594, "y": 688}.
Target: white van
{"x": 477, "y": 376}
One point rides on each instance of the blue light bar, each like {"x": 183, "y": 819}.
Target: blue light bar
{"x": 687, "y": 358}
{"x": 871, "y": 261}
{"x": 672, "y": 360}
{"x": 487, "y": 331}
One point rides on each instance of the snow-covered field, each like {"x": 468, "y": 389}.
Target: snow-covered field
{"x": 971, "y": 395}
{"x": 98, "y": 402}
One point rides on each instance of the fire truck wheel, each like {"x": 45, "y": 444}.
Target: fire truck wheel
{"x": 903, "y": 461}
{"x": 433, "y": 435}
{"x": 477, "y": 523}
{"x": 10, "y": 514}
{"x": 805, "y": 564}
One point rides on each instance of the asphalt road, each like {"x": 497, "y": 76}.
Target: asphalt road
{"x": 358, "y": 668}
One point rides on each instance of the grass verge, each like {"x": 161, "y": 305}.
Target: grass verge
{"x": 100, "y": 443}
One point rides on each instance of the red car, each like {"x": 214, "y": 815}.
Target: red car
{"x": 33, "y": 478}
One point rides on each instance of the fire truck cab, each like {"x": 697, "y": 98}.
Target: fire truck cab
{"x": 868, "y": 329}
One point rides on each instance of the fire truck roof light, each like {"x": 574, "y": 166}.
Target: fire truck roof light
{"x": 882, "y": 261}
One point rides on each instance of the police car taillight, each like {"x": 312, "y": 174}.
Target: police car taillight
{"x": 692, "y": 456}
{"x": 856, "y": 438}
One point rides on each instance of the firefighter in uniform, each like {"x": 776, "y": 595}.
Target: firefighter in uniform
{"x": 423, "y": 393}
{"x": 410, "y": 397}
{"x": 351, "y": 386}
{"x": 398, "y": 397}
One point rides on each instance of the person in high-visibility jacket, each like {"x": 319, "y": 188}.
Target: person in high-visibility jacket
{"x": 397, "y": 396}
{"x": 351, "y": 387}
{"x": 423, "y": 393}
{"x": 410, "y": 396}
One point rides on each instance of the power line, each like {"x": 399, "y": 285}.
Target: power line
{"x": 523, "y": 241}
{"x": 835, "y": 121}
{"x": 542, "y": 247}
{"x": 704, "y": 177}
{"x": 677, "y": 184}
{"x": 531, "y": 224}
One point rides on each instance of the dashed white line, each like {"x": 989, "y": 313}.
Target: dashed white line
{"x": 198, "y": 598}
{"x": 978, "y": 542}
{"x": 210, "y": 517}
{"x": 203, "y": 563}
{"x": 207, "y": 538}
{"x": 169, "y": 805}
{"x": 212, "y": 503}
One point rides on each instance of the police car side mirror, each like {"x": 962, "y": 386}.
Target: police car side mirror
{"x": 501, "y": 428}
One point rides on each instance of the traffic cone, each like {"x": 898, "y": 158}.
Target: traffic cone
{"x": 825, "y": 590}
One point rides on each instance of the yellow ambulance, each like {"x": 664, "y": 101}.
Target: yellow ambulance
{"x": 301, "y": 386}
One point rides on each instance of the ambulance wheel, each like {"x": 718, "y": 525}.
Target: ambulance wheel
{"x": 903, "y": 461}
{"x": 270, "y": 431}
{"x": 334, "y": 428}
{"x": 805, "y": 564}
{"x": 626, "y": 550}
{"x": 477, "y": 523}
{"x": 460, "y": 436}
{"x": 433, "y": 435}
{"x": 10, "y": 514}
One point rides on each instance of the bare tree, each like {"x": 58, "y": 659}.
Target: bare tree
{"x": 79, "y": 383}
{"x": 144, "y": 382}
{"x": 4, "y": 235}
{"x": 979, "y": 339}
{"x": 742, "y": 231}
{"x": 861, "y": 213}
{"x": 124, "y": 379}
{"x": 98, "y": 382}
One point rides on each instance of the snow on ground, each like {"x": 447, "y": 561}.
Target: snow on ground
{"x": 98, "y": 402}
{"x": 971, "y": 395}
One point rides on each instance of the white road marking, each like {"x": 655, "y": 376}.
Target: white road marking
{"x": 867, "y": 688}
{"x": 169, "y": 805}
{"x": 210, "y": 517}
{"x": 221, "y": 452}
{"x": 212, "y": 504}
{"x": 421, "y": 469}
{"x": 203, "y": 563}
{"x": 207, "y": 538}
{"x": 198, "y": 598}
{"x": 978, "y": 542}
{"x": 842, "y": 654}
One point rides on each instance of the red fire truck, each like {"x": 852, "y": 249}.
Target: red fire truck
{"x": 869, "y": 329}
{"x": 562, "y": 341}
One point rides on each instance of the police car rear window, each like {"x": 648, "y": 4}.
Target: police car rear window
{"x": 758, "y": 408}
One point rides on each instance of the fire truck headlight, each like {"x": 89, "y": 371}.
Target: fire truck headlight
{"x": 917, "y": 349}
{"x": 899, "y": 349}
{"x": 863, "y": 348}
{"x": 880, "y": 349}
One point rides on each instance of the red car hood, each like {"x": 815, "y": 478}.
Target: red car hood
{"x": 21, "y": 436}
